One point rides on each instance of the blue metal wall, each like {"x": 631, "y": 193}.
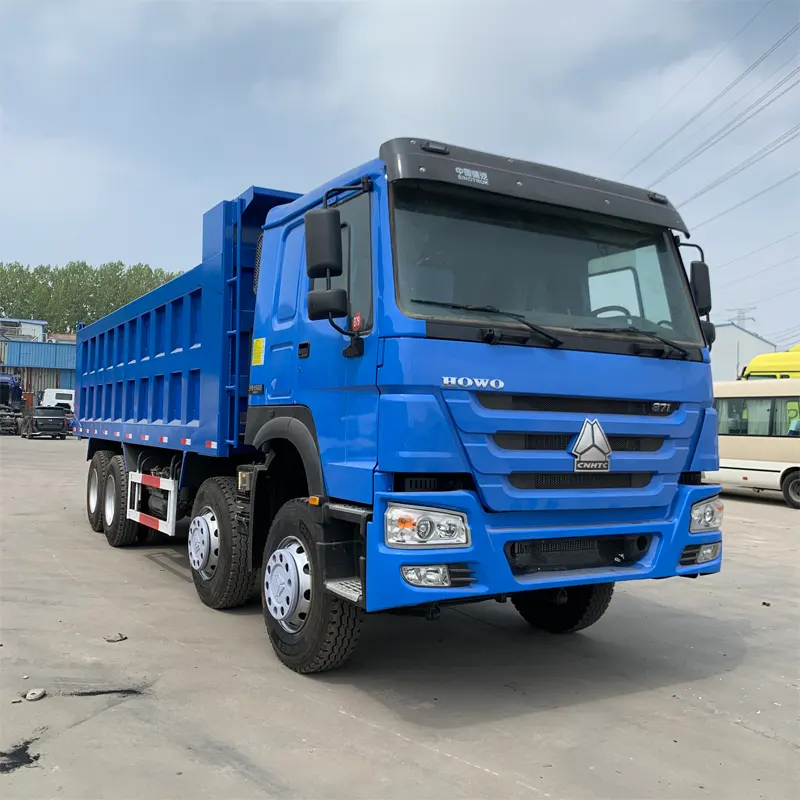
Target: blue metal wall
{"x": 40, "y": 354}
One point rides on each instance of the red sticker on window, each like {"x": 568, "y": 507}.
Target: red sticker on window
{"x": 356, "y": 322}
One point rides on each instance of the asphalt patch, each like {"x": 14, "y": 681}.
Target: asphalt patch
{"x": 18, "y": 756}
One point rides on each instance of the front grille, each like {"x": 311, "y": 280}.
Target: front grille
{"x": 578, "y": 552}
{"x": 579, "y": 480}
{"x": 561, "y": 441}
{"x": 573, "y": 405}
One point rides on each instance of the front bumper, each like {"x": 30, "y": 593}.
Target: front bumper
{"x": 486, "y": 555}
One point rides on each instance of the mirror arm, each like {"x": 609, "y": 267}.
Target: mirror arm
{"x": 364, "y": 185}
{"x": 690, "y": 244}
{"x": 356, "y": 346}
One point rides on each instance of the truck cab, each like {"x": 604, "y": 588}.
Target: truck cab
{"x": 467, "y": 377}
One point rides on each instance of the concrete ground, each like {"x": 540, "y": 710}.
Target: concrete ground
{"x": 685, "y": 689}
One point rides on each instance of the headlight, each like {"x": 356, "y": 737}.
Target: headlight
{"x": 706, "y": 516}
{"x": 409, "y": 526}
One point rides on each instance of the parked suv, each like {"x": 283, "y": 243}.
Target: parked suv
{"x": 45, "y": 421}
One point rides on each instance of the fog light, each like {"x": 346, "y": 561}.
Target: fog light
{"x": 436, "y": 575}
{"x": 708, "y": 552}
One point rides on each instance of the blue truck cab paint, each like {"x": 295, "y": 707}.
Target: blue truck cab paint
{"x": 442, "y": 377}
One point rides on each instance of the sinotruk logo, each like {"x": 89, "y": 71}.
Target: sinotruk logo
{"x": 591, "y": 448}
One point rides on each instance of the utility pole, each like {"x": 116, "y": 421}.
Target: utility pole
{"x": 741, "y": 315}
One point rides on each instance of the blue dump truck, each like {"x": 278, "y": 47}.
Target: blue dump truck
{"x": 443, "y": 377}
{"x": 11, "y": 403}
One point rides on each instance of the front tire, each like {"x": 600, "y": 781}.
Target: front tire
{"x": 218, "y": 550}
{"x": 310, "y": 629}
{"x": 566, "y": 610}
{"x": 95, "y": 479}
{"x": 791, "y": 489}
{"x": 119, "y": 530}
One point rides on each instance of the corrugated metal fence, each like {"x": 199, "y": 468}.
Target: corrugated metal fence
{"x": 40, "y": 365}
{"x": 46, "y": 355}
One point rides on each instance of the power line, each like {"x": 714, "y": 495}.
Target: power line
{"x": 759, "y": 272}
{"x": 781, "y": 333}
{"x": 748, "y": 199}
{"x": 782, "y": 293}
{"x": 759, "y": 250}
{"x": 716, "y": 99}
{"x": 759, "y": 155}
{"x": 695, "y": 76}
{"x": 731, "y": 126}
{"x": 749, "y": 92}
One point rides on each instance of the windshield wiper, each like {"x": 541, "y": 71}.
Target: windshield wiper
{"x": 554, "y": 340}
{"x": 667, "y": 343}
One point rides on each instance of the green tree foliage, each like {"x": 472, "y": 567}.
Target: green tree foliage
{"x": 76, "y": 292}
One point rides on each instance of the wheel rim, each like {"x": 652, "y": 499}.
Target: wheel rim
{"x": 287, "y": 584}
{"x": 794, "y": 489}
{"x": 110, "y": 500}
{"x": 204, "y": 543}
{"x": 94, "y": 490}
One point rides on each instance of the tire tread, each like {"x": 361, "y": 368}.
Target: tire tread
{"x": 240, "y": 581}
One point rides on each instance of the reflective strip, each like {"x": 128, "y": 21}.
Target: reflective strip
{"x": 116, "y": 433}
{"x": 145, "y": 437}
{"x": 151, "y": 480}
{"x": 105, "y": 433}
{"x": 163, "y": 439}
{"x": 129, "y": 436}
{"x": 95, "y": 431}
{"x": 212, "y": 445}
{"x": 148, "y": 521}
{"x": 186, "y": 441}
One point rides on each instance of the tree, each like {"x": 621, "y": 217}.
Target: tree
{"x": 76, "y": 292}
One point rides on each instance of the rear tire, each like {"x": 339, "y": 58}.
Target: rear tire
{"x": 218, "y": 551}
{"x": 565, "y": 610}
{"x": 95, "y": 480}
{"x": 119, "y": 530}
{"x": 322, "y": 631}
{"x": 790, "y": 486}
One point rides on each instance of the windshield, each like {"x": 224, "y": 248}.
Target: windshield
{"x": 565, "y": 270}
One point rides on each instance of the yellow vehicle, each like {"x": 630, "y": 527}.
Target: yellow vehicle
{"x": 759, "y": 436}
{"x": 774, "y": 365}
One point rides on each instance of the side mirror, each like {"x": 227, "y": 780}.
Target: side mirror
{"x": 327, "y": 304}
{"x": 323, "y": 243}
{"x": 700, "y": 282}
{"x": 709, "y": 332}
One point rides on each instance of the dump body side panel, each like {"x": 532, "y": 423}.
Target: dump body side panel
{"x": 171, "y": 368}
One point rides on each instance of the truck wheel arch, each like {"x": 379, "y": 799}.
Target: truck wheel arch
{"x": 295, "y": 431}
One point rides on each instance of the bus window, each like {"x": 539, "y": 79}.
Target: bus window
{"x": 786, "y": 421}
{"x": 743, "y": 416}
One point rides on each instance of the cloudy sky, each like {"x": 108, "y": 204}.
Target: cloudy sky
{"x": 122, "y": 121}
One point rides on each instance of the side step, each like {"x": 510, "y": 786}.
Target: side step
{"x": 349, "y": 589}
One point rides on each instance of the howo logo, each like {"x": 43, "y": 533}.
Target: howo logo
{"x": 474, "y": 383}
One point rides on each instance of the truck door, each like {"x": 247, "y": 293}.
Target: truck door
{"x": 341, "y": 391}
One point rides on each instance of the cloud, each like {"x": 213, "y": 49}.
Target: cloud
{"x": 150, "y": 112}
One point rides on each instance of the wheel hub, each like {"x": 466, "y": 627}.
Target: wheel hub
{"x": 287, "y": 584}
{"x": 110, "y": 500}
{"x": 94, "y": 490}
{"x": 204, "y": 543}
{"x": 794, "y": 490}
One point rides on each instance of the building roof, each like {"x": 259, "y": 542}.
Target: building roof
{"x": 29, "y": 321}
{"x": 744, "y": 330}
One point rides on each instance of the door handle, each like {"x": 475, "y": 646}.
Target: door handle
{"x": 303, "y": 349}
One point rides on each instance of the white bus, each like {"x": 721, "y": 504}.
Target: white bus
{"x": 759, "y": 436}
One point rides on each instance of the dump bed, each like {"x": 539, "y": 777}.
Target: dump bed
{"x": 171, "y": 368}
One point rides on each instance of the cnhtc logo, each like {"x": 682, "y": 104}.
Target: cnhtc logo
{"x": 474, "y": 383}
{"x": 591, "y": 448}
